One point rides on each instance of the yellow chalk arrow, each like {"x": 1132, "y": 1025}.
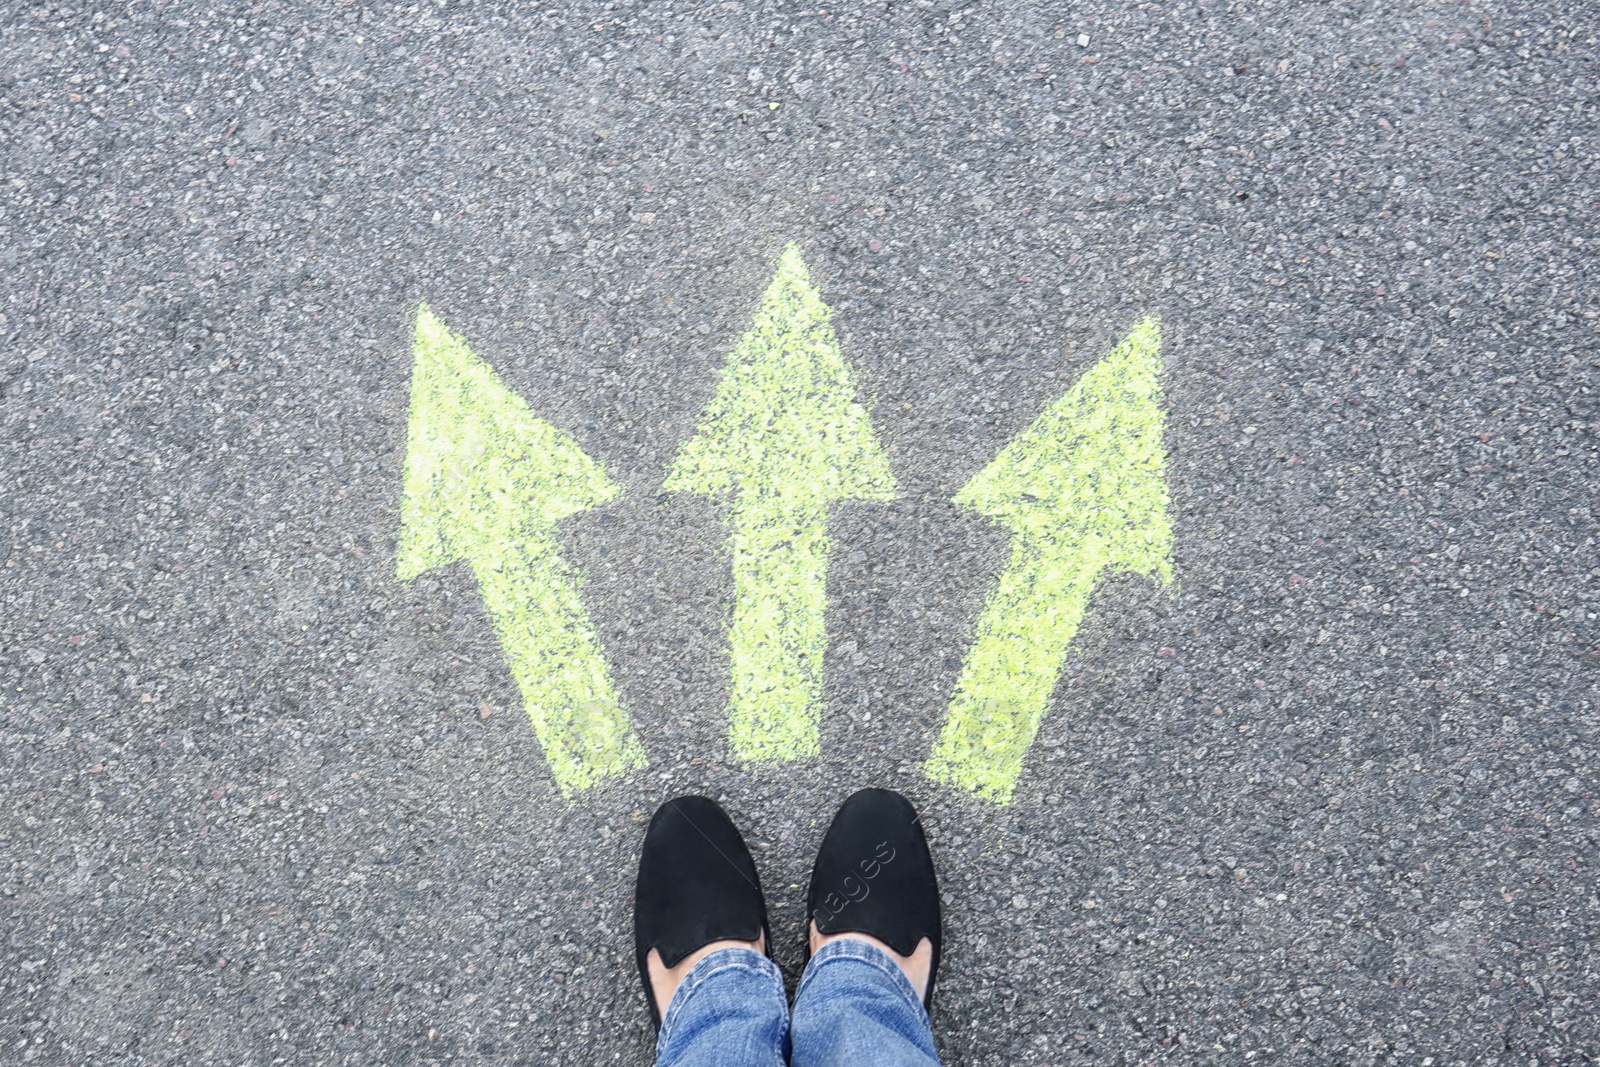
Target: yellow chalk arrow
{"x": 1083, "y": 491}
{"x": 486, "y": 482}
{"x": 784, "y": 437}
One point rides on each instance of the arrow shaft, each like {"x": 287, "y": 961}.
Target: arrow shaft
{"x": 780, "y": 572}
{"x": 554, "y": 655}
{"x": 1020, "y": 645}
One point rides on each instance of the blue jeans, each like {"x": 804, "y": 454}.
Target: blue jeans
{"x": 854, "y": 1008}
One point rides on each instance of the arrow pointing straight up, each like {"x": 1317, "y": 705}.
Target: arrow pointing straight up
{"x": 1082, "y": 490}
{"x": 486, "y": 482}
{"x": 784, "y": 438}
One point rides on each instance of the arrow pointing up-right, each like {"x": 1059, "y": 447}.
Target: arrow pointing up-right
{"x": 1083, "y": 491}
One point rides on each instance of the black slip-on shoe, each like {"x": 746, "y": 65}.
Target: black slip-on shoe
{"x": 697, "y": 884}
{"x": 874, "y": 875}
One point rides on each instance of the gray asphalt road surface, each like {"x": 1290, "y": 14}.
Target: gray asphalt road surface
{"x": 1330, "y": 799}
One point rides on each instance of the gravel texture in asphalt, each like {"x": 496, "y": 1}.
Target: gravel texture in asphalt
{"x": 1330, "y": 798}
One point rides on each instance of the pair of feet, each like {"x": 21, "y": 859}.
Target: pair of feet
{"x": 698, "y": 891}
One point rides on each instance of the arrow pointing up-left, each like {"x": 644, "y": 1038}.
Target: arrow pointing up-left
{"x": 486, "y": 482}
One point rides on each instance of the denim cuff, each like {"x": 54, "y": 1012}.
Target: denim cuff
{"x": 718, "y": 962}
{"x": 854, "y": 949}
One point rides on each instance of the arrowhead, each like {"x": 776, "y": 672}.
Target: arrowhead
{"x": 480, "y": 467}
{"x": 1088, "y": 474}
{"x": 784, "y": 419}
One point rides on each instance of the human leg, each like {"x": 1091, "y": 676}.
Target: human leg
{"x": 729, "y": 1011}
{"x": 700, "y": 934}
{"x": 875, "y": 936}
{"x": 856, "y": 1008}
